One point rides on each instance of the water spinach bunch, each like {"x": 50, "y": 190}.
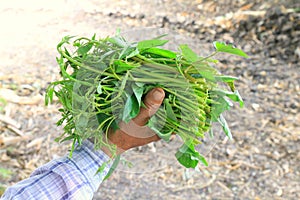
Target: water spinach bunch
{"x": 105, "y": 80}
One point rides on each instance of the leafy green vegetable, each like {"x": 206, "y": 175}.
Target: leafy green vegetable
{"x": 161, "y": 53}
{"x": 146, "y": 44}
{"x": 229, "y": 48}
{"x": 188, "y": 157}
{"x": 131, "y": 108}
{"x": 104, "y": 81}
{"x": 188, "y": 53}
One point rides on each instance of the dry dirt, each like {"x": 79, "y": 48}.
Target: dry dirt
{"x": 263, "y": 160}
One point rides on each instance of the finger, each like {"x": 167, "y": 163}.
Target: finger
{"x": 133, "y": 129}
{"x": 144, "y": 141}
{"x": 152, "y": 102}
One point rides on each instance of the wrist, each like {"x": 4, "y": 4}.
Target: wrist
{"x": 113, "y": 145}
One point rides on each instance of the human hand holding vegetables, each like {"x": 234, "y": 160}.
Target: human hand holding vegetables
{"x": 104, "y": 80}
{"x": 129, "y": 135}
{"x": 135, "y": 133}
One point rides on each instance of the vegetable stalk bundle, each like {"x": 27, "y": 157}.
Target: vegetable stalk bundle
{"x": 104, "y": 81}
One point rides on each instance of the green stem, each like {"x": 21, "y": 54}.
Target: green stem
{"x": 177, "y": 126}
{"x": 159, "y": 77}
{"x": 147, "y": 61}
{"x": 180, "y": 96}
{"x": 85, "y": 66}
{"x": 209, "y": 56}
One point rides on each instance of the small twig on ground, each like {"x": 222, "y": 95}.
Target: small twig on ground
{"x": 7, "y": 120}
{"x": 246, "y": 184}
{"x": 16, "y": 130}
{"x": 196, "y": 186}
{"x": 224, "y": 187}
{"x": 4, "y": 141}
{"x": 236, "y": 164}
{"x": 11, "y": 96}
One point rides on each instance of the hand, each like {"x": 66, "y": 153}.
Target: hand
{"x": 135, "y": 133}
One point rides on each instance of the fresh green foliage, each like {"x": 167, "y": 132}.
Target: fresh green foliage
{"x": 229, "y": 48}
{"x": 105, "y": 80}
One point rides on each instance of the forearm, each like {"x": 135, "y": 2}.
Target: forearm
{"x": 76, "y": 178}
{"x": 64, "y": 178}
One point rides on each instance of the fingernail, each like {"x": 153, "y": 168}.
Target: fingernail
{"x": 158, "y": 95}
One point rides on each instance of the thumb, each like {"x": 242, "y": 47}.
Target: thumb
{"x": 152, "y": 101}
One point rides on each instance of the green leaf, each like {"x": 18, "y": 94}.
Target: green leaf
{"x": 207, "y": 75}
{"x": 211, "y": 132}
{"x": 204, "y": 69}
{"x": 49, "y": 95}
{"x": 101, "y": 170}
{"x": 225, "y": 127}
{"x": 161, "y": 52}
{"x": 133, "y": 53}
{"x": 114, "y": 125}
{"x": 126, "y": 163}
{"x": 229, "y": 48}
{"x": 122, "y": 66}
{"x": 220, "y": 105}
{"x": 234, "y": 96}
{"x": 169, "y": 110}
{"x": 84, "y": 49}
{"x": 72, "y": 148}
{"x": 131, "y": 108}
{"x": 118, "y": 41}
{"x": 146, "y": 44}
{"x": 231, "y": 86}
{"x": 138, "y": 92}
{"x": 226, "y": 79}
{"x": 164, "y": 134}
{"x": 79, "y": 140}
{"x": 188, "y": 157}
{"x": 71, "y": 137}
{"x": 229, "y": 80}
{"x": 201, "y": 158}
{"x": 188, "y": 54}
{"x": 65, "y": 40}
{"x": 139, "y": 84}
{"x": 111, "y": 169}
{"x": 81, "y": 121}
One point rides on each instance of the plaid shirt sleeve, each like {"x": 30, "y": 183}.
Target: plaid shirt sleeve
{"x": 64, "y": 178}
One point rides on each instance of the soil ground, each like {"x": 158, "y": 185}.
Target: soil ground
{"x": 263, "y": 159}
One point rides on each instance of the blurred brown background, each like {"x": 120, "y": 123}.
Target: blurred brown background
{"x": 263, "y": 160}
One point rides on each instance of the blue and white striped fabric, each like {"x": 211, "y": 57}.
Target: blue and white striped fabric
{"x": 63, "y": 178}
